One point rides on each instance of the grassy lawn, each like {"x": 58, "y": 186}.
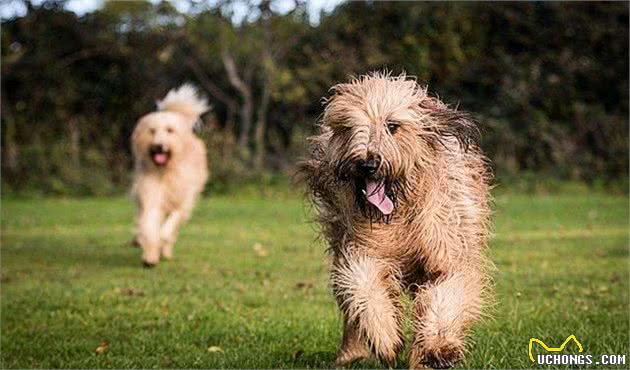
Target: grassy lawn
{"x": 249, "y": 282}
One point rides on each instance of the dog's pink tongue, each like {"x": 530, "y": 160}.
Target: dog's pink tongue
{"x": 375, "y": 193}
{"x": 160, "y": 158}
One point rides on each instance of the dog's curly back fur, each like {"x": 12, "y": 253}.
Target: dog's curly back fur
{"x": 434, "y": 171}
{"x": 184, "y": 100}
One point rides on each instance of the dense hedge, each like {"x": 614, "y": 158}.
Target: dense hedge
{"x": 548, "y": 81}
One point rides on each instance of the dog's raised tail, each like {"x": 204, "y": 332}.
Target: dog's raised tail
{"x": 185, "y": 100}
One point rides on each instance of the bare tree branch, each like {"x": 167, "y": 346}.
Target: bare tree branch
{"x": 236, "y": 81}
{"x": 208, "y": 85}
{"x": 246, "y": 93}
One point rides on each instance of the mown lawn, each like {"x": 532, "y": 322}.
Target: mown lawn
{"x": 249, "y": 282}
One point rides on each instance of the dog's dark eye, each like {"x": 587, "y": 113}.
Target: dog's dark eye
{"x": 392, "y": 126}
{"x": 169, "y": 130}
{"x": 152, "y": 131}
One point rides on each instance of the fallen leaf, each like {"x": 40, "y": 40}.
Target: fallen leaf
{"x": 131, "y": 292}
{"x": 215, "y": 349}
{"x": 166, "y": 361}
{"x": 242, "y": 288}
{"x": 260, "y": 250}
{"x": 615, "y": 278}
{"x": 102, "y": 348}
{"x": 298, "y": 354}
{"x": 303, "y": 285}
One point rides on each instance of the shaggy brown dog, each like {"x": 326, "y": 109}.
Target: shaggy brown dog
{"x": 401, "y": 191}
{"x": 170, "y": 171}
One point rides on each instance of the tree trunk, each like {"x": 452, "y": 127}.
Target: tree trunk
{"x": 247, "y": 106}
{"x": 269, "y": 70}
{"x": 75, "y": 141}
{"x": 207, "y": 84}
{"x": 261, "y": 125}
{"x": 11, "y": 153}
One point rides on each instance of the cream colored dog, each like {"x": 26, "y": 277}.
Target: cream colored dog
{"x": 170, "y": 171}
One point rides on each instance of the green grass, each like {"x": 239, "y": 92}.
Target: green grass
{"x": 70, "y": 281}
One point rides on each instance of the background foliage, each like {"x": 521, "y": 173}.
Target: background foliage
{"x": 548, "y": 81}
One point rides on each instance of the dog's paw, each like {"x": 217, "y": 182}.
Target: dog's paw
{"x": 150, "y": 261}
{"x": 149, "y": 265}
{"x": 150, "y": 257}
{"x": 436, "y": 352}
{"x": 442, "y": 358}
{"x": 167, "y": 253}
{"x": 347, "y": 358}
{"x": 167, "y": 257}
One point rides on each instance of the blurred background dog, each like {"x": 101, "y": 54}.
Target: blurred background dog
{"x": 170, "y": 171}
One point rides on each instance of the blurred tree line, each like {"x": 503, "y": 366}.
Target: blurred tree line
{"x": 548, "y": 82}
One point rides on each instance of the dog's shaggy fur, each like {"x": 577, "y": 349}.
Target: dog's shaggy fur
{"x": 401, "y": 191}
{"x": 170, "y": 171}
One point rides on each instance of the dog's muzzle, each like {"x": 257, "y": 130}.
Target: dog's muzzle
{"x": 372, "y": 188}
{"x": 160, "y": 155}
{"x": 368, "y": 167}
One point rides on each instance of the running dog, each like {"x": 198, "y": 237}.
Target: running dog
{"x": 401, "y": 191}
{"x": 170, "y": 171}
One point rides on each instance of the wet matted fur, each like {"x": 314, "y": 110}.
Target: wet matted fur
{"x": 170, "y": 171}
{"x": 401, "y": 191}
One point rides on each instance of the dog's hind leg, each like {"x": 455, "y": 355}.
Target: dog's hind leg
{"x": 353, "y": 346}
{"x": 367, "y": 292}
{"x": 135, "y": 241}
{"x": 443, "y": 312}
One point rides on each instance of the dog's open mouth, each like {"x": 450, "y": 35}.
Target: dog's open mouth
{"x": 159, "y": 155}
{"x": 375, "y": 194}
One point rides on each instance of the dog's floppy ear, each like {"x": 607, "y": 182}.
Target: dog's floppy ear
{"x": 452, "y": 123}
{"x": 138, "y": 137}
{"x": 337, "y": 104}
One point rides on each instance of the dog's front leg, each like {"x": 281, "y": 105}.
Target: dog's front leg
{"x": 170, "y": 228}
{"x": 169, "y": 231}
{"x": 367, "y": 293}
{"x": 443, "y": 312}
{"x": 149, "y": 223}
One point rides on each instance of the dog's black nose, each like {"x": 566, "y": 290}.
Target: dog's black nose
{"x": 368, "y": 167}
{"x": 156, "y": 148}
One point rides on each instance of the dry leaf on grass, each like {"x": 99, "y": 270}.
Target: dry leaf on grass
{"x": 298, "y": 354}
{"x": 215, "y": 349}
{"x": 131, "y": 292}
{"x": 102, "y": 348}
{"x": 303, "y": 285}
{"x": 260, "y": 250}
